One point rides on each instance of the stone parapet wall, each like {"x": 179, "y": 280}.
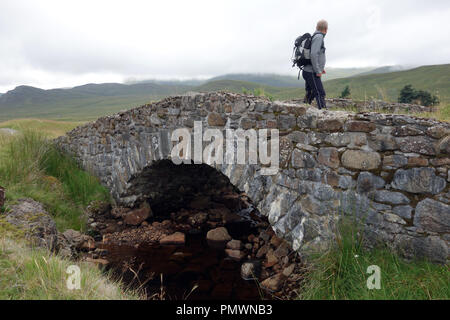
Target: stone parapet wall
{"x": 377, "y": 106}
{"x": 391, "y": 171}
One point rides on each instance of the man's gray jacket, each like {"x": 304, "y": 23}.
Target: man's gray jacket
{"x": 318, "y": 58}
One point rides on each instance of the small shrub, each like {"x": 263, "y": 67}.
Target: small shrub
{"x": 345, "y": 93}
{"x": 408, "y": 95}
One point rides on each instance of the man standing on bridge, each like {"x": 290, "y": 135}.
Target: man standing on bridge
{"x": 312, "y": 73}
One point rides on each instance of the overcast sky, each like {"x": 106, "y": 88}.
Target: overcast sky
{"x": 60, "y": 43}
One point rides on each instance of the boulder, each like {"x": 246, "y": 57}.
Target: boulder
{"x": 137, "y": 216}
{"x": 218, "y": 238}
{"x": 176, "y": 239}
{"x": 34, "y": 220}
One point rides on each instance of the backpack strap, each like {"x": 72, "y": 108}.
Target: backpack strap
{"x": 316, "y": 35}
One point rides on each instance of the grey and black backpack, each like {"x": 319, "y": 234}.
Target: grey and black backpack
{"x": 301, "y": 55}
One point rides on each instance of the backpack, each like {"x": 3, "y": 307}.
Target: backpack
{"x": 301, "y": 55}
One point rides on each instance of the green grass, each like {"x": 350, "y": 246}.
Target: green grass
{"x": 387, "y": 86}
{"x": 341, "y": 274}
{"x": 50, "y": 128}
{"x": 36, "y": 274}
{"x": 30, "y": 166}
{"x": 442, "y": 113}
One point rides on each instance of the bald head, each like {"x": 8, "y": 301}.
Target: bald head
{"x": 322, "y": 26}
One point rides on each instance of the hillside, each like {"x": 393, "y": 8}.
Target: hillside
{"x": 91, "y": 101}
{"x": 385, "y": 69}
{"x": 238, "y": 86}
{"x": 269, "y": 79}
{"x": 85, "y": 102}
{"x": 435, "y": 79}
{"x": 285, "y": 81}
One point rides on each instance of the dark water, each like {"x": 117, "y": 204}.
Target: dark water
{"x": 195, "y": 265}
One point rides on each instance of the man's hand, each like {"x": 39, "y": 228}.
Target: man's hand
{"x": 324, "y": 72}
{"x": 319, "y": 75}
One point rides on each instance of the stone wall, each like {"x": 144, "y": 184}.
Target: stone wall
{"x": 391, "y": 171}
{"x": 377, "y": 106}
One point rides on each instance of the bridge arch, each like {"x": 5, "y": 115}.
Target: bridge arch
{"x": 391, "y": 169}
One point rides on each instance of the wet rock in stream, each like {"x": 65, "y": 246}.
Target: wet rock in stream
{"x": 217, "y": 247}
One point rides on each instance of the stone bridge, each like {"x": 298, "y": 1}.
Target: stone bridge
{"x": 390, "y": 171}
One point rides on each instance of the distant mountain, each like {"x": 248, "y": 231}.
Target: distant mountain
{"x": 385, "y": 69}
{"x": 237, "y": 86}
{"x": 189, "y": 82}
{"x": 90, "y": 101}
{"x": 273, "y": 80}
{"x": 269, "y": 79}
{"x": 387, "y": 86}
{"x": 83, "y": 102}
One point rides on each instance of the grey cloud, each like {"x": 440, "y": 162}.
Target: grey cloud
{"x": 210, "y": 37}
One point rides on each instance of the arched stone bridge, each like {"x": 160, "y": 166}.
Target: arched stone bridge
{"x": 390, "y": 170}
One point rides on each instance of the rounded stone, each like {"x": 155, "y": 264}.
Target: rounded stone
{"x": 361, "y": 160}
{"x": 250, "y": 270}
{"x": 218, "y": 238}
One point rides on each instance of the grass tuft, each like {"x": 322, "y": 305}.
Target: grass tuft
{"x": 341, "y": 273}
{"x": 32, "y": 167}
{"x": 36, "y": 274}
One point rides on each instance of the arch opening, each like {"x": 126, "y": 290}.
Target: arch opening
{"x": 196, "y": 235}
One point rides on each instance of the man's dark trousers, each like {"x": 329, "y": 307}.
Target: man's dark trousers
{"x": 314, "y": 88}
